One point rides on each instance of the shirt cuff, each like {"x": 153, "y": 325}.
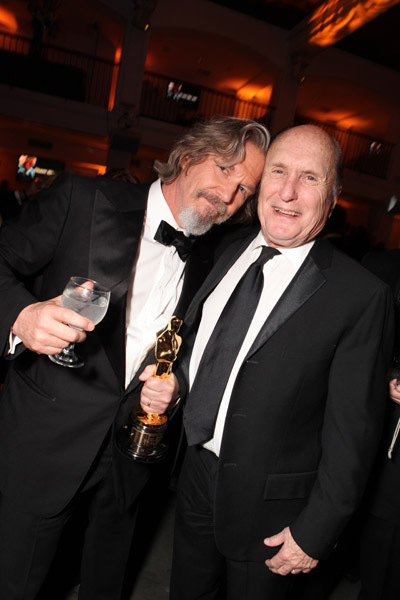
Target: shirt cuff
{"x": 13, "y": 342}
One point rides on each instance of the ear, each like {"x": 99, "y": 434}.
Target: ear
{"x": 184, "y": 161}
{"x": 333, "y": 204}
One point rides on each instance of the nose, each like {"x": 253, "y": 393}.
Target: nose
{"x": 228, "y": 191}
{"x": 288, "y": 191}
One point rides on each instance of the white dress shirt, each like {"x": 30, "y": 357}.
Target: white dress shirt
{"x": 278, "y": 272}
{"x": 155, "y": 286}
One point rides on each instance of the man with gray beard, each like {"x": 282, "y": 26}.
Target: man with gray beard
{"x": 57, "y": 423}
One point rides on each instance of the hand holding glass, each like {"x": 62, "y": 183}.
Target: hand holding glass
{"x": 89, "y": 299}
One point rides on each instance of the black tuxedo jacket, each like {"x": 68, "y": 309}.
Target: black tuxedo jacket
{"x": 306, "y": 410}
{"x": 385, "y": 482}
{"x": 53, "y": 420}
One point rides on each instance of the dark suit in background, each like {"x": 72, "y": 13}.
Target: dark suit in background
{"x": 380, "y": 542}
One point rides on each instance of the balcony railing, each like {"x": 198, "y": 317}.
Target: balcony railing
{"x": 360, "y": 152}
{"x": 79, "y": 76}
{"x": 182, "y": 103}
{"x": 56, "y": 71}
{"x": 82, "y": 77}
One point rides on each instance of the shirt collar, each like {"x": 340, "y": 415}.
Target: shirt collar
{"x": 158, "y": 209}
{"x": 295, "y": 255}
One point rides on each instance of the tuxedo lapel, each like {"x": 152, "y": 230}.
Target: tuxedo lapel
{"x": 307, "y": 281}
{"x": 115, "y": 234}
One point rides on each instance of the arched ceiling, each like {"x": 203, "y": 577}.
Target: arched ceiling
{"x": 374, "y": 39}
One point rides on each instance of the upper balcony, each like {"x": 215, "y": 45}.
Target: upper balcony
{"x": 77, "y": 76}
{"x": 56, "y": 71}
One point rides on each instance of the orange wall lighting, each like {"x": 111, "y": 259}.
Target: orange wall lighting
{"x": 335, "y": 19}
{"x": 8, "y": 21}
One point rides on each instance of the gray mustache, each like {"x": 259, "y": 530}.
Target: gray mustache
{"x": 217, "y": 202}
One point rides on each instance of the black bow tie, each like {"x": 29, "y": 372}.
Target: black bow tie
{"x": 169, "y": 236}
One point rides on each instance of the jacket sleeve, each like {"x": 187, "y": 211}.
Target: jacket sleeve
{"x": 27, "y": 245}
{"x": 357, "y": 396}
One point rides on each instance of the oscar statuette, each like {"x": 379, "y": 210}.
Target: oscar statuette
{"x": 141, "y": 439}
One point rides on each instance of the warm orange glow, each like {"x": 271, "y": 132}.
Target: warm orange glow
{"x": 151, "y": 418}
{"x": 255, "y": 93}
{"x": 357, "y": 124}
{"x": 101, "y": 169}
{"x": 114, "y": 80}
{"x": 342, "y": 119}
{"x": 345, "y": 203}
{"x": 335, "y": 19}
{"x": 231, "y": 84}
{"x": 118, "y": 53}
{"x": 8, "y": 20}
{"x": 250, "y": 92}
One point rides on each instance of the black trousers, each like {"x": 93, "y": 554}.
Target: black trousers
{"x": 380, "y": 560}
{"x": 199, "y": 570}
{"x": 28, "y": 543}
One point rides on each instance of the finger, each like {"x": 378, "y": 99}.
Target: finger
{"x": 147, "y": 373}
{"x": 63, "y": 334}
{"x": 151, "y": 405}
{"x": 73, "y": 319}
{"x": 282, "y": 570}
{"x": 157, "y": 404}
{"x": 88, "y": 284}
{"x": 275, "y": 540}
{"x": 49, "y": 348}
{"x": 274, "y": 564}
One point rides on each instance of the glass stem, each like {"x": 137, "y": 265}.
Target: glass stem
{"x": 69, "y": 350}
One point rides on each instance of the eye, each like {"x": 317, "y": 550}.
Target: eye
{"x": 223, "y": 169}
{"x": 309, "y": 179}
{"x": 277, "y": 172}
{"x": 242, "y": 189}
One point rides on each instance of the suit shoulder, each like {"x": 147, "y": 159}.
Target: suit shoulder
{"x": 123, "y": 195}
{"x": 106, "y": 184}
{"x": 385, "y": 265}
{"x": 359, "y": 277}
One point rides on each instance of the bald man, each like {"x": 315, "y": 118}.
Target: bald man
{"x": 269, "y": 484}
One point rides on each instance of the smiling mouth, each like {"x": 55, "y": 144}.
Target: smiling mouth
{"x": 290, "y": 213}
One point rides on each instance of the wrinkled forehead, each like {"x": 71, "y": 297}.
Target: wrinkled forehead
{"x": 304, "y": 149}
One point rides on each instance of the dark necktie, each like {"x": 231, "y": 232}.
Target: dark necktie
{"x": 220, "y": 353}
{"x": 168, "y": 236}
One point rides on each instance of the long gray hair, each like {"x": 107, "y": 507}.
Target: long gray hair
{"x": 221, "y": 136}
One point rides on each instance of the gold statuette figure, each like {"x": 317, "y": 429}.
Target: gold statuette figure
{"x": 146, "y": 430}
